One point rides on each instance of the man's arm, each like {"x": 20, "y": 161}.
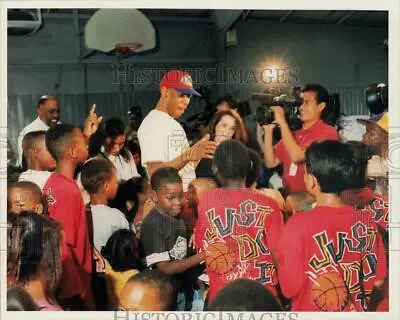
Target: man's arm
{"x": 178, "y": 163}
{"x": 259, "y": 137}
{"x": 202, "y": 149}
{"x": 296, "y": 153}
{"x": 178, "y": 266}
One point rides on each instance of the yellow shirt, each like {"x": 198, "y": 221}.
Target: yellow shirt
{"x": 115, "y": 282}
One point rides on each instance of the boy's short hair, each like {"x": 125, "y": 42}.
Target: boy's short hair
{"x": 33, "y": 188}
{"x": 58, "y": 138}
{"x": 159, "y": 281}
{"x": 163, "y": 176}
{"x": 95, "y": 173}
{"x": 122, "y": 250}
{"x": 34, "y": 191}
{"x": 255, "y": 168}
{"x": 232, "y": 159}
{"x": 244, "y": 295}
{"x": 333, "y": 164}
{"x": 31, "y": 139}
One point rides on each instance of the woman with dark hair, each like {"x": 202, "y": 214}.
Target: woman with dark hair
{"x": 34, "y": 258}
{"x": 225, "y": 125}
{"x": 113, "y": 148}
{"x": 122, "y": 256}
{"x": 134, "y": 147}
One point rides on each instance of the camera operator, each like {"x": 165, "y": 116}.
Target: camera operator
{"x": 290, "y": 149}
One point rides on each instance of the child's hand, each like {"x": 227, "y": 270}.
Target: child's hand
{"x": 92, "y": 122}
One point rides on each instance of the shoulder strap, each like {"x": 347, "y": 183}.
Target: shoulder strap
{"x": 89, "y": 220}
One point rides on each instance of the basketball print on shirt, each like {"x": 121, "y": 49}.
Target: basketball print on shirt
{"x": 220, "y": 258}
{"x": 330, "y": 293}
{"x": 336, "y": 281}
{"x": 238, "y": 229}
{"x": 378, "y": 208}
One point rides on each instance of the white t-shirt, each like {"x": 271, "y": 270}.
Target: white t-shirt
{"x": 36, "y": 125}
{"x": 38, "y": 177}
{"x": 163, "y": 139}
{"x": 106, "y": 221}
{"x": 126, "y": 169}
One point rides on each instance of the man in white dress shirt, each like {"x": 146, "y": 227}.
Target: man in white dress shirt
{"x": 48, "y": 115}
{"x": 162, "y": 139}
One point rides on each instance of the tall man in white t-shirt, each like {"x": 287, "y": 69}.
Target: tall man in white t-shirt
{"x": 163, "y": 141}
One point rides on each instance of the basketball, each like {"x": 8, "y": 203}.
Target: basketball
{"x": 220, "y": 259}
{"x": 329, "y": 292}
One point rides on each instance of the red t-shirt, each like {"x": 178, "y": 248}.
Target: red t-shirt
{"x": 246, "y": 224}
{"x": 319, "y": 258}
{"x": 65, "y": 204}
{"x": 372, "y": 203}
{"x": 294, "y": 181}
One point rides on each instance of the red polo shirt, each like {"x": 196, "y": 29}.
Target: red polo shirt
{"x": 294, "y": 181}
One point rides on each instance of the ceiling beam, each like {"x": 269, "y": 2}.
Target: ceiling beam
{"x": 155, "y": 18}
{"x": 225, "y": 19}
{"x": 346, "y": 16}
{"x": 286, "y": 15}
{"x": 327, "y": 15}
{"x": 133, "y": 61}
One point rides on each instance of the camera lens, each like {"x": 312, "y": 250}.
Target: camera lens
{"x": 264, "y": 115}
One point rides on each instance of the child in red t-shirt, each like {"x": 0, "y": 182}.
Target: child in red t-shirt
{"x": 363, "y": 197}
{"x": 330, "y": 258}
{"x": 238, "y": 227}
{"x": 68, "y": 146}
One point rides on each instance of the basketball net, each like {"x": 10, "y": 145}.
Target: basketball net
{"x": 127, "y": 47}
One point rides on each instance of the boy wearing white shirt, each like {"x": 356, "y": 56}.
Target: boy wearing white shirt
{"x": 99, "y": 178}
{"x": 38, "y": 159}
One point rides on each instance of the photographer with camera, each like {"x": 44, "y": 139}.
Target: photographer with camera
{"x": 290, "y": 149}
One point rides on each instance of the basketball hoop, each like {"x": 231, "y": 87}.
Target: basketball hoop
{"x": 127, "y": 47}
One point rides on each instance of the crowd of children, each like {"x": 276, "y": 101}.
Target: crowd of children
{"x": 141, "y": 243}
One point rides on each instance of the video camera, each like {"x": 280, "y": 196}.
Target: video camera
{"x": 376, "y": 98}
{"x": 290, "y": 104}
